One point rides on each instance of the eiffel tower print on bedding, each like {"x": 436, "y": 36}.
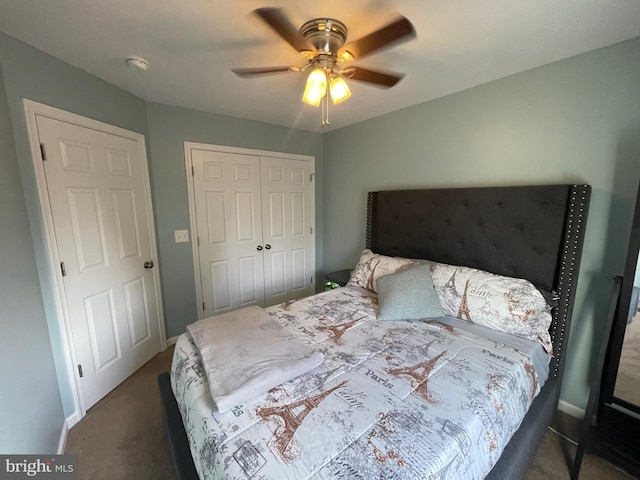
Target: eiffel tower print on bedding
{"x": 425, "y": 399}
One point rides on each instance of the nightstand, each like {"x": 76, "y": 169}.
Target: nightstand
{"x": 340, "y": 277}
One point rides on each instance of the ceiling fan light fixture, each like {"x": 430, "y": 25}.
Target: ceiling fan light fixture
{"x": 316, "y": 87}
{"x": 339, "y": 89}
{"x": 323, "y": 42}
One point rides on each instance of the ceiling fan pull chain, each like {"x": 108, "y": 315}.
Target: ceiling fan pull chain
{"x": 324, "y": 111}
{"x": 324, "y": 107}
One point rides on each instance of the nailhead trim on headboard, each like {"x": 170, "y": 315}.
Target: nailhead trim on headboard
{"x": 567, "y": 279}
{"x": 371, "y": 226}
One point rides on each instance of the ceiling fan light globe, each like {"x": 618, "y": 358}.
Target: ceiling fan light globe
{"x": 316, "y": 87}
{"x": 312, "y": 99}
{"x": 317, "y": 76}
{"x": 339, "y": 90}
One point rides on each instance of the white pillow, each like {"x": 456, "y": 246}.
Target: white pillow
{"x": 511, "y": 305}
{"x": 372, "y": 266}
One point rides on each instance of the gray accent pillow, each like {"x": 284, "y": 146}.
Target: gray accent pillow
{"x": 408, "y": 295}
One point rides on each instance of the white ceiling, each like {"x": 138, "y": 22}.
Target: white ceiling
{"x": 192, "y": 46}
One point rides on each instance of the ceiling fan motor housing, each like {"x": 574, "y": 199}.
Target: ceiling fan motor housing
{"x": 325, "y": 35}
{"x": 322, "y": 41}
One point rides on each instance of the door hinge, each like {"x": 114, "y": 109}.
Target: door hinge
{"x": 193, "y": 172}
{"x": 312, "y": 280}
{"x": 80, "y": 371}
{"x": 311, "y": 175}
{"x": 311, "y": 230}
{"x": 203, "y": 307}
{"x": 42, "y": 152}
{"x": 63, "y": 269}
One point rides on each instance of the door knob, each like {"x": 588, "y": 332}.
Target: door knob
{"x": 259, "y": 247}
{"x": 148, "y": 265}
{"x": 267, "y": 246}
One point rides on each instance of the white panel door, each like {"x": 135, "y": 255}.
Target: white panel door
{"x": 253, "y": 217}
{"x": 288, "y": 220}
{"x": 97, "y": 197}
{"x": 229, "y": 230}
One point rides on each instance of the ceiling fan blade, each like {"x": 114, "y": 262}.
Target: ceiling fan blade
{"x": 252, "y": 72}
{"x": 371, "y": 76}
{"x": 278, "y": 21}
{"x": 400, "y": 29}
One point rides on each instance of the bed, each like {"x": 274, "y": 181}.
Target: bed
{"x": 375, "y": 407}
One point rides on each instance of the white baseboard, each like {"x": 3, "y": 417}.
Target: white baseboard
{"x": 63, "y": 438}
{"x": 73, "y": 419}
{"x": 570, "y": 409}
{"x": 172, "y": 340}
{"x": 70, "y": 421}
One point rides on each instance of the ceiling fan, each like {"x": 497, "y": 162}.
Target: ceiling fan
{"x": 322, "y": 41}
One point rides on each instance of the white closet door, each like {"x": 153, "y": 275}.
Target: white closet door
{"x": 229, "y": 229}
{"x": 287, "y": 226}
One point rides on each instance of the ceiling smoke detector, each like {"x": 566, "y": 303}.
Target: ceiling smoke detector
{"x": 137, "y": 63}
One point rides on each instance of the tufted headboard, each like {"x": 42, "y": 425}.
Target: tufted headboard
{"x": 532, "y": 232}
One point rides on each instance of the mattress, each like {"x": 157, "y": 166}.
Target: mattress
{"x": 436, "y": 399}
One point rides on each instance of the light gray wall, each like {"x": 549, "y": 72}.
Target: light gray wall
{"x": 169, "y": 128}
{"x": 30, "y": 406}
{"x": 577, "y": 120}
{"x": 30, "y": 73}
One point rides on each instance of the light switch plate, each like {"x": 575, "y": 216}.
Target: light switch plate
{"x": 181, "y": 236}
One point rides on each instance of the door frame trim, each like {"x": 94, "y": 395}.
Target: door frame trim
{"x": 191, "y": 146}
{"x": 33, "y": 109}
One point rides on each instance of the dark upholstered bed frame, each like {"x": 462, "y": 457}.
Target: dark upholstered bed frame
{"x": 532, "y": 232}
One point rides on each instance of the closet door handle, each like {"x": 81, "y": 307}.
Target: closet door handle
{"x": 267, "y": 246}
{"x": 259, "y": 247}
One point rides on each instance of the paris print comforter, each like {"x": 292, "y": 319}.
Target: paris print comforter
{"x": 435, "y": 399}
